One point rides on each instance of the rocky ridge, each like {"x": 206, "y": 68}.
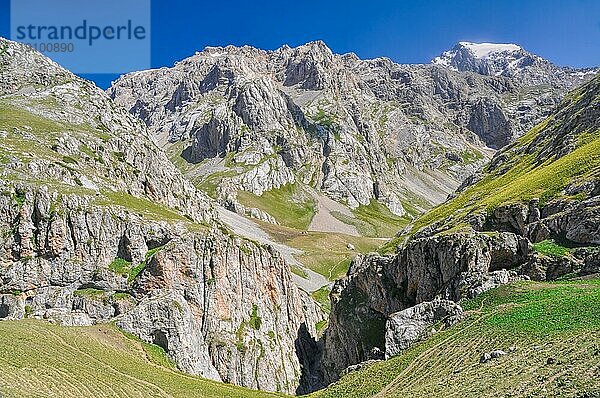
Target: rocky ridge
{"x": 356, "y": 130}
{"x": 97, "y": 225}
{"x": 512, "y": 61}
{"x": 406, "y": 327}
{"x": 91, "y": 232}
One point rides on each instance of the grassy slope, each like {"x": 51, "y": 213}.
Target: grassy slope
{"x": 37, "y": 141}
{"x": 374, "y": 220}
{"x": 38, "y": 359}
{"x": 288, "y": 204}
{"x": 541, "y": 320}
{"x": 324, "y": 253}
{"x": 522, "y": 182}
{"x": 521, "y": 178}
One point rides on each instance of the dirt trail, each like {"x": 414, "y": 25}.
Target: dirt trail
{"x": 324, "y": 221}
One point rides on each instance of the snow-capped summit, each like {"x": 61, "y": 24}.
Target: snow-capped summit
{"x": 484, "y": 50}
{"x": 488, "y": 58}
{"x": 510, "y": 60}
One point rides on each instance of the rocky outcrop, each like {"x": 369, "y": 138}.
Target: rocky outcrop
{"x": 66, "y": 130}
{"x": 233, "y": 205}
{"x": 454, "y": 266}
{"x": 81, "y": 264}
{"x": 215, "y": 137}
{"x": 385, "y": 302}
{"x": 167, "y": 320}
{"x": 406, "y": 327}
{"x": 451, "y": 266}
{"x": 491, "y": 124}
{"x": 490, "y": 233}
{"x": 575, "y": 221}
{"x": 488, "y": 356}
{"x": 509, "y": 60}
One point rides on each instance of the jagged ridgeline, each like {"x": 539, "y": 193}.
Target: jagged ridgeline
{"x": 556, "y": 164}
{"x": 111, "y": 221}
{"x": 374, "y": 135}
{"x": 97, "y": 225}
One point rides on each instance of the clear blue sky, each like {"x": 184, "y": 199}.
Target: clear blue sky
{"x": 565, "y": 32}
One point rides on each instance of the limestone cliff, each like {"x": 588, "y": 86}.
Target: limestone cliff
{"x": 533, "y": 213}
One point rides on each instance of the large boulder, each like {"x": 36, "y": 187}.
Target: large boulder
{"x": 406, "y": 327}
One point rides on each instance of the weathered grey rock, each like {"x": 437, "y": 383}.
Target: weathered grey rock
{"x": 215, "y": 137}
{"x": 166, "y": 319}
{"x": 406, "y": 327}
{"x": 448, "y": 259}
{"x": 453, "y": 266}
{"x": 509, "y": 60}
{"x": 67, "y": 317}
{"x": 358, "y": 366}
{"x": 473, "y": 284}
{"x": 542, "y": 267}
{"x": 591, "y": 262}
{"x": 489, "y": 122}
{"x": 233, "y": 205}
{"x": 355, "y": 129}
{"x": 488, "y": 356}
{"x": 514, "y": 216}
{"x": 578, "y": 222}
{"x": 11, "y": 306}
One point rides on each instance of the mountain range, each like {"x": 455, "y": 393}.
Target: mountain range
{"x": 360, "y": 131}
{"x": 279, "y": 220}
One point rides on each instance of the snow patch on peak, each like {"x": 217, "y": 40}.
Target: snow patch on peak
{"x": 484, "y": 50}
{"x": 487, "y": 58}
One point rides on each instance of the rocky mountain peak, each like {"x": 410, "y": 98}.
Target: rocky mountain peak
{"x": 512, "y": 61}
{"x": 93, "y": 205}
{"x": 491, "y": 59}
{"x": 317, "y": 47}
{"x": 351, "y": 128}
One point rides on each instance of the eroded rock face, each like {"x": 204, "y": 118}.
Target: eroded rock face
{"x": 220, "y": 306}
{"x": 480, "y": 246}
{"x": 97, "y": 225}
{"x": 511, "y": 60}
{"x": 450, "y": 266}
{"x": 575, "y": 221}
{"x": 166, "y": 319}
{"x": 454, "y": 266}
{"x": 406, "y": 327}
{"x": 490, "y": 123}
